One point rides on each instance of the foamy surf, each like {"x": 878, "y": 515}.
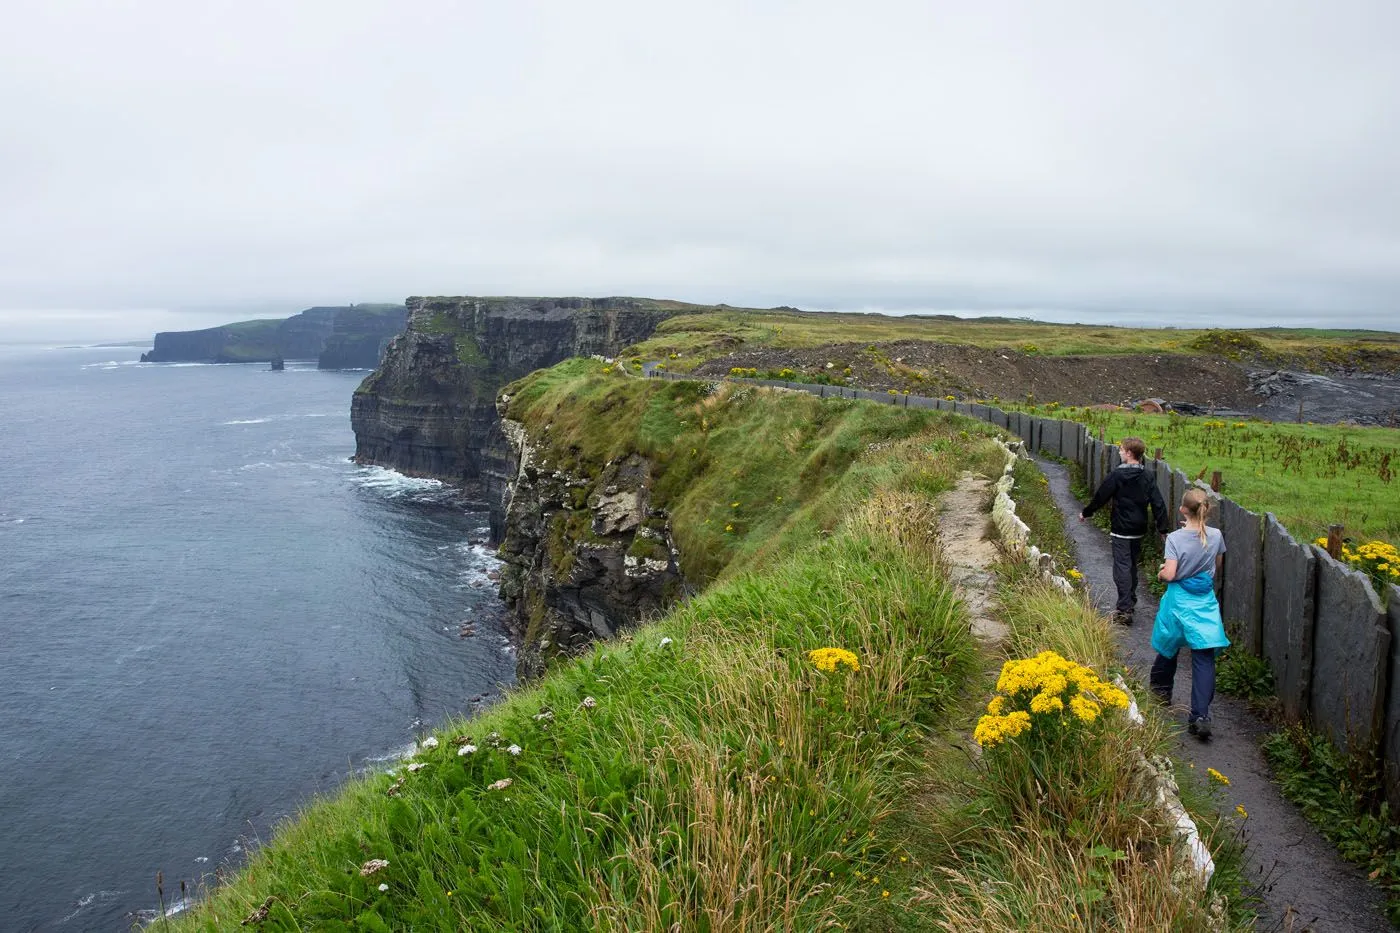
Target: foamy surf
{"x": 394, "y": 485}
{"x": 248, "y": 421}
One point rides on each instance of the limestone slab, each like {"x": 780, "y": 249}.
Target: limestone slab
{"x": 1290, "y": 586}
{"x": 1242, "y": 598}
{"x": 1390, "y": 743}
{"x": 1351, "y": 648}
{"x": 1050, "y": 436}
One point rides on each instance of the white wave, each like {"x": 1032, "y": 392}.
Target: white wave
{"x": 392, "y": 483}
{"x": 249, "y": 421}
{"x": 285, "y": 465}
{"x": 87, "y": 900}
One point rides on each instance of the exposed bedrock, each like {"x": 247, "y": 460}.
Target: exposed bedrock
{"x": 430, "y": 407}
{"x": 584, "y": 556}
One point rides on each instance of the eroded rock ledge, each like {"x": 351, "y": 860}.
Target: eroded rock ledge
{"x": 584, "y": 556}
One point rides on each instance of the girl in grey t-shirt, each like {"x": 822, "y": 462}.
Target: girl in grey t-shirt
{"x": 1188, "y": 614}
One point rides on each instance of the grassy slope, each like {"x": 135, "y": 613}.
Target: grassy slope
{"x": 746, "y": 473}
{"x": 704, "y": 336}
{"x": 720, "y": 782}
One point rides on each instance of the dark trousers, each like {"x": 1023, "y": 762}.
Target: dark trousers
{"x": 1202, "y": 680}
{"x": 1126, "y": 554}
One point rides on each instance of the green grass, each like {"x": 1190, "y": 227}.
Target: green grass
{"x": 1309, "y": 476}
{"x": 746, "y": 473}
{"x": 1341, "y": 795}
{"x": 699, "y": 337}
{"x": 719, "y": 782}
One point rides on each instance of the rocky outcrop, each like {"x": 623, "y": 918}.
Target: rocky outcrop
{"x": 354, "y": 335}
{"x": 583, "y": 556}
{"x": 430, "y": 407}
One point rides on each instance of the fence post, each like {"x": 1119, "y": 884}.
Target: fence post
{"x": 1215, "y": 481}
{"x": 1334, "y": 541}
{"x": 1158, "y": 454}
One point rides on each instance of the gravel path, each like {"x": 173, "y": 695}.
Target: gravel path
{"x": 1302, "y": 883}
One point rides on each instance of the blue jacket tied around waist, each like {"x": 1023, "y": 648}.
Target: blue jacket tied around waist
{"x": 1188, "y": 615}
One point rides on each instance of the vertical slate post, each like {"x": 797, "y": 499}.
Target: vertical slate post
{"x": 1290, "y": 588}
{"x": 1351, "y": 653}
{"x": 1244, "y": 574}
{"x": 1390, "y": 744}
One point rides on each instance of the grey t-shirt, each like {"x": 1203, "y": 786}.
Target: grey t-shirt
{"x": 1191, "y": 558}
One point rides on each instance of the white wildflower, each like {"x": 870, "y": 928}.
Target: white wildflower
{"x": 466, "y": 750}
{"x": 514, "y": 750}
{"x": 429, "y": 742}
{"x": 418, "y": 766}
{"x": 544, "y": 714}
{"x": 502, "y": 784}
{"x": 665, "y": 641}
{"x": 383, "y": 887}
{"x": 372, "y": 866}
{"x": 589, "y": 703}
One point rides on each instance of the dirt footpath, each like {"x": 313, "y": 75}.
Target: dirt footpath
{"x": 1301, "y": 881}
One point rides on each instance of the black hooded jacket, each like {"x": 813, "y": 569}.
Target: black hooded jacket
{"x": 1132, "y": 489}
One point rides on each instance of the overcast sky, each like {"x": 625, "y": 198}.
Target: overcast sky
{"x": 1178, "y": 162}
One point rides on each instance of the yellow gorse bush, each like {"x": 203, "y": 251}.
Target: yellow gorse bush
{"x": 1044, "y": 689}
{"x": 1379, "y": 559}
{"x": 829, "y": 659}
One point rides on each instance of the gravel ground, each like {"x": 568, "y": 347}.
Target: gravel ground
{"x": 1301, "y": 881}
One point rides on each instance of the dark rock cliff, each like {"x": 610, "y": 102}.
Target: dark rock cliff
{"x": 583, "y": 555}
{"x": 430, "y": 407}
{"x": 349, "y": 337}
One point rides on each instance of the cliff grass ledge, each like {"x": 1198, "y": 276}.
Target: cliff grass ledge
{"x": 707, "y": 771}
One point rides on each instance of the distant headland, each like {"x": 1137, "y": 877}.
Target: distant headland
{"x": 337, "y": 337}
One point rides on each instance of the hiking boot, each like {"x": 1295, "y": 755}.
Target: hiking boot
{"x": 1200, "y": 728}
{"x": 1123, "y": 618}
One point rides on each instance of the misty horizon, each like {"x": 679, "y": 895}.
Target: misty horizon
{"x": 1198, "y": 164}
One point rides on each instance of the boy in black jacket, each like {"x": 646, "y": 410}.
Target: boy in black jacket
{"x": 1131, "y": 489}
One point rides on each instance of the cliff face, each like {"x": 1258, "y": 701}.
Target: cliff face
{"x": 337, "y": 337}
{"x": 583, "y": 556}
{"x": 430, "y": 407}
{"x": 359, "y": 336}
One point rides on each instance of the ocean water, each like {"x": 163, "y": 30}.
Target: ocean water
{"x": 207, "y": 616}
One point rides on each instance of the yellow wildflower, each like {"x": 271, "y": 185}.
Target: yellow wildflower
{"x": 1086, "y": 710}
{"x": 829, "y": 659}
{"x": 1218, "y": 777}
{"x": 1048, "y": 702}
{"x": 1239, "y": 808}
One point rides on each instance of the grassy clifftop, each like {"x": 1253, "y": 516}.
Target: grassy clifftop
{"x": 703, "y": 773}
{"x": 698, "y": 338}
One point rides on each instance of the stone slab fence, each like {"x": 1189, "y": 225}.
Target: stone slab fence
{"x": 1322, "y": 628}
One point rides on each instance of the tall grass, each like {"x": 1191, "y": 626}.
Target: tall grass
{"x": 701, "y": 773}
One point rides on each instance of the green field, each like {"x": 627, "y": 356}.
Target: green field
{"x": 1309, "y": 476}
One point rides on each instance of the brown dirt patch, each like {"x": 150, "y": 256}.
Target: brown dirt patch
{"x": 969, "y": 372}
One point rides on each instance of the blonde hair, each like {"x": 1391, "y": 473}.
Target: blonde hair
{"x": 1197, "y": 506}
